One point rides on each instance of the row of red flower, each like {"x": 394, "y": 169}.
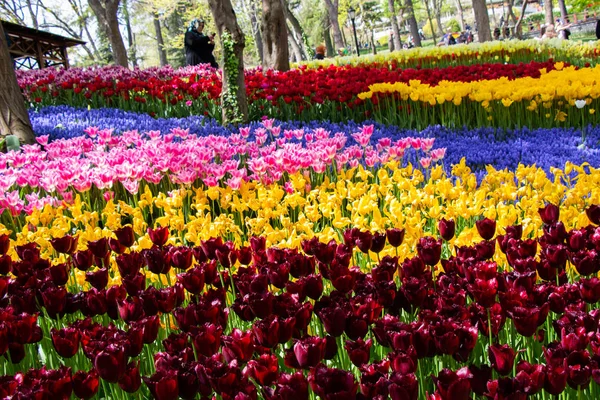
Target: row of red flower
{"x": 387, "y": 326}
{"x": 305, "y": 87}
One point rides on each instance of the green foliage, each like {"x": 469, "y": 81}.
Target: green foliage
{"x": 453, "y": 25}
{"x": 231, "y": 64}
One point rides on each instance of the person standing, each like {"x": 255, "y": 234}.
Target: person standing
{"x": 199, "y": 47}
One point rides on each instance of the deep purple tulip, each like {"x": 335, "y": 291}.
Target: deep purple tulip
{"x": 5, "y": 264}
{"x": 83, "y": 259}
{"x": 579, "y": 369}
{"x": 429, "y": 250}
{"x": 264, "y": 370}
{"x": 206, "y": 339}
{"x": 403, "y": 387}
{"x": 159, "y": 236}
{"x": 486, "y": 228}
{"x": 556, "y": 379}
{"x": 4, "y": 244}
{"x": 395, "y": 236}
{"x": 110, "y": 363}
{"x": 125, "y": 236}
{"x": 453, "y": 385}
{"x": 291, "y": 387}
{"x": 60, "y": 274}
{"x": 502, "y": 358}
{"x": 85, "y": 384}
{"x": 238, "y": 346}
{"x": 65, "y": 245}
{"x": 309, "y": 351}
{"x": 131, "y": 309}
{"x": 378, "y": 242}
{"x": 447, "y": 228}
{"x": 163, "y": 384}
{"x": 66, "y": 341}
{"x": 115, "y": 246}
{"x": 593, "y": 214}
{"x": 531, "y": 377}
{"x": 55, "y": 300}
{"x": 99, "y": 248}
{"x": 332, "y": 383}
{"x": 528, "y": 319}
{"x": 549, "y": 214}
{"x": 480, "y": 377}
{"x": 98, "y": 278}
{"x": 131, "y": 380}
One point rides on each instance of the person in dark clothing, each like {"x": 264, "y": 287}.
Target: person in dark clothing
{"x": 598, "y": 29}
{"x": 199, "y": 47}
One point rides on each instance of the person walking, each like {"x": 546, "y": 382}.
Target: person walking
{"x": 199, "y": 47}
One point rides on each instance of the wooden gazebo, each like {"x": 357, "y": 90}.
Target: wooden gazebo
{"x": 31, "y": 48}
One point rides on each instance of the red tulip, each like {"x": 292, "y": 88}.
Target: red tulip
{"x": 159, "y": 236}
{"x": 163, "y": 385}
{"x": 86, "y": 384}
{"x": 502, "y": 358}
{"x": 66, "y": 341}
{"x": 486, "y": 228}
{"x": 446, "y": 228}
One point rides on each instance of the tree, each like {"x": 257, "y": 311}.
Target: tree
{"x": 162, "y": 54}
{"x": 394, "y": 23}
{"x": 412, "y": 23}
{"x": 563, "y": 10}
{"x": 482, "y": 20}
{"x": 14, "y": 119}
{"x": 250, "y": 9}
{"x": 130, "y": 37}
{"x": 461, "y": 16}
{"x": 233, "y": 95}
{"x": 333, "y": 11}
{"x": 106, "y": 12}
{"x": 274, "y": 35}
{"x": 297, "y": 31}
{"x": 548, "y": 11}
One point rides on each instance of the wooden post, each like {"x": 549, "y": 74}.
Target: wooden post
{"x": 39, "y": 56}
{"x": 65, "y": 56}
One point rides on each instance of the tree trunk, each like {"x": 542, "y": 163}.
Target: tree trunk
{"x": 33, "y": 15}
{"x": 333, "y": 11}
{"x": 412, "y": 23}
{"x": 461, "y": 16}
{"x": 563, "y": 10}
{"x": 482, "y": 20}
{"x": 107, "y": 17}
{"x": 255, "y": 28}
{"x": 394, "y": 21}
{"x": 234, "y": 102}
{"x": 327, "y": 38}
{"x": 275, "y": 37}
{"x": 297, "y": 28}
{"x": 162, "y": 54}
{"x": 373, "y": 42}
{"x": 518, "y": 31}
{"x": 296, "y": 50}
{"x": 14, "y": 119}
{"x": 548, "y": 12}
{"x": 430, "y": 22}
{"x": 437, "y": 11}
{"x": 130, "y": 37}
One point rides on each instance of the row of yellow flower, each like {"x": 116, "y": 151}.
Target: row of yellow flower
{"x": 570, "y": 51}
{"x": 565, "y": 83}
{"x": 367, "y": 199}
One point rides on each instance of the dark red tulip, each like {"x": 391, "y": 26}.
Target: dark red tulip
{"x": 395, "y": 236}
{"x": 480, "y": 377}
{"x": 447, "y": 228}
{"x": 378, "y": 242}
{"x": 333, "y": 319}
{"x": 579, "y": 369}
{"x": 309, "y": 351}
{"x": 502, "y": 358}
{"x": 131, "y": 309}
{"x": 110, "y": 363}
{"x": 429, "y": 250}
{"x": 258, "y": 243}
{"x": 83, "y": 259}
{"x": 206, "y": 339}
{"x": 159, "y": 236}
{"x": 125, "y": 236}
{"x": 66, "y": 341}
{"x": 590, "y": 290}
{"x": 181, "y": 257}
{"x": 85, "y": 384}
{"x": 403, "y": 387}
{"x": 4, "y": 244}
{"x": 5, "y": 264}
{"x": 131, "y": 380}
{"x": 98, "y": 278}
{"x": 264, "y": 370}
{"x": 363, "y": 241}
{"x": 65, "y": 245}
{"x": 134, "y": 284}
{"x": 453, "y": 385}
{"x": 238, "y": 346}
{"x": 549, "y": 214}
{"x": 60, "y": 274}
{"x": 150, "y": 327}
{"x": 486, "y": 228}
{"x": 99, "y": 248}
{"x": 528, "y": 319}
{"x": 55, "y": 300}
{"x": 332, "y": 383}
{"x": 291, "y": 387}
{"x": 556, "y": 379}
{"x": 16, "y": 352}
{"x": 359, "y": 351}
{"x": 530, "y": 377}
{"x": 404, "y": 362}
{"x": 163, "y": 384}
{"x": 593, "y": 214}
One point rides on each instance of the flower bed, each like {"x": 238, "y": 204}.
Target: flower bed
{"x": 337, "y": 320}
{"x": 308, "y": 94}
